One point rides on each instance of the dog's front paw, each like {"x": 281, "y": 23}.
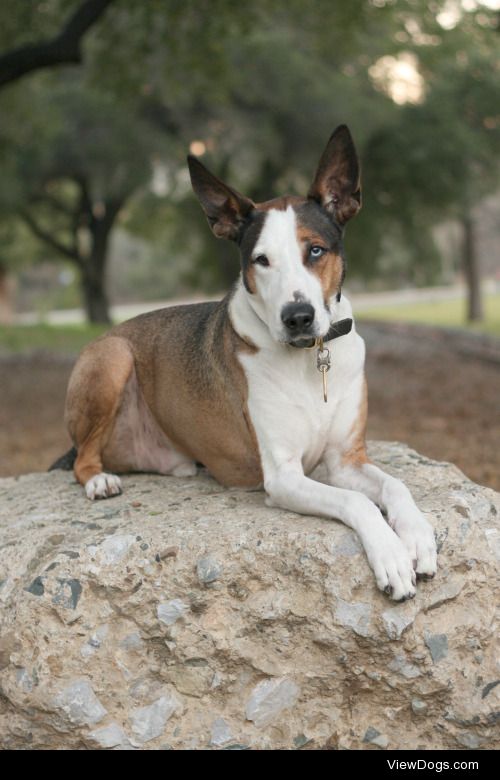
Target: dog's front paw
{"x": 418, "y": 538}
{"x": 103, "y": 486}
{"x": 392, "y": 567}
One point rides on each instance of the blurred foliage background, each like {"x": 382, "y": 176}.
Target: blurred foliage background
{"x": 100, "y": 100}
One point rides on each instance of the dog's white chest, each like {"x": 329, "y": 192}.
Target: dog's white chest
{"x": 285, "y": 399}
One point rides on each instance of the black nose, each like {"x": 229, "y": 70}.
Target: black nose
{"x": 297, "y": 317}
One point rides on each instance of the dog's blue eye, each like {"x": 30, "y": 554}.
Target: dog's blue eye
{"x": 261, "y": 260}
{"x": 316, "y": 252}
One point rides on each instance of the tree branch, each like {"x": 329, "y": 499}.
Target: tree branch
{"x": 85, "y": 205}
{"x": 64, "y": 48}
{"x": 55, "y": 203}
{"x": 113, "y": 207}
{"x": 70, "y": 252}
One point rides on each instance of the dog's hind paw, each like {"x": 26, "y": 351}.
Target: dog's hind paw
{"x": 103, "y": 486}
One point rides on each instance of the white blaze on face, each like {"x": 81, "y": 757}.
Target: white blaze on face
{"x": 286, "y": 276}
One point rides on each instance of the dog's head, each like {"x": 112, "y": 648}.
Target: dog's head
{"x": 291, "y": 248}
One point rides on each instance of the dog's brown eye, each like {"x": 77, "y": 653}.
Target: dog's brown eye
{"x": 261, "y": 260}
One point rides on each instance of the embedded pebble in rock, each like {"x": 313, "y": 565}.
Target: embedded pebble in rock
{"x": 170, "y": 611}
{"x": 470, "y": 741}
{"x": 112, "y": 550}
{"x": 348, "y": 546}
{"x": 490, "y": 687}
{"x": 374, "y": 737}
{"x": 401, "y": 665}
{"x": 269, "y": 698}
{"x": 24, "y": 679}
{"x": 111, "y": 736}
{"x": 208, "y": 570}
{"x": 438, "y": 646}
{"x": 300, "y": 740}
{"x": 221, "y": 733}
{"x": 132, "y": 641}
{"x": 37, "y": 587}
{"x": 355, "y": 616}
{"x": 493, "y": 537}
{"x": 419, "y": 707}
{"x": 397, "y": 620}
{"x": 447, "y": 592}
{"x": 79, "y": 702}
{"x": 94, "y": 642}
{"x": 370, "y": 734}
{"x": 68, "y": 594}
{"x": 381, "y": 741}
{"x": 149, "y": 722}
{"x": 143, "y": 627}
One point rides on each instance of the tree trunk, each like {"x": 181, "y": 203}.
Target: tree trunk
{"x": 472, "y": 270}
{"x": 94, "y": 296}
{"x": 98, "y": 219}
{"x": 93, "y": 268}
{"x": 6, "y": 296}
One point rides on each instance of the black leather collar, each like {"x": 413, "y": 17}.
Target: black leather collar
{"x": 339, "y": 328}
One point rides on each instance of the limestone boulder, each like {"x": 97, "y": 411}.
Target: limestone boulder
{"x": 182, "y": 615}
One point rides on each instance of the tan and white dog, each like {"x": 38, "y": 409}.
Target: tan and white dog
{"x": 232, "y": 385}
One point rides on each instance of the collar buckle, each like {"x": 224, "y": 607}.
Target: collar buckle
{"x": 316, "y": 343}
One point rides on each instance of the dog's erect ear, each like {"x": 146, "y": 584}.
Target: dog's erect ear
{"x": 225, "y": 209}
{"x": 337, "y": 182}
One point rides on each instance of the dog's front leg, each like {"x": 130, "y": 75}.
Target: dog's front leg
{"x": 395, "y": 499}
{"x": 289, "y": 488}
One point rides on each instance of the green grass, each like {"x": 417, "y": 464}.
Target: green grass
{"x": 55, "y": 338}
{"x": 449, "y": 314}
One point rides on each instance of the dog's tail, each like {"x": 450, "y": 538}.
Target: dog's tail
{"x": 66, "y": 461}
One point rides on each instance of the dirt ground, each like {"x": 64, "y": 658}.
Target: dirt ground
{"x": 437, "y": 391}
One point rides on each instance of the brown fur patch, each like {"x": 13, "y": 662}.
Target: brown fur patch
{"x": 185, "y": 360}
{"x": 249, "y": 277}
{"x": 94, "y": 396}
{"x": 328, "y": 268}
{"x": 356, "y": 454}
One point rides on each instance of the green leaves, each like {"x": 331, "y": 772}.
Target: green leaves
{"x": 262, "y": 85}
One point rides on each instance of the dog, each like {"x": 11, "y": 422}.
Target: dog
{"x": 261, "y": 387}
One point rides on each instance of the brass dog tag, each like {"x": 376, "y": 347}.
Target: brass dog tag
{"x": 323, "y": 363}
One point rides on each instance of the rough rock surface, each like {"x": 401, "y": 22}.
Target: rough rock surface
{"x": 183, "y": 615}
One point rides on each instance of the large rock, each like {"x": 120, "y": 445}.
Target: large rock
{"x": 184, "y": 615}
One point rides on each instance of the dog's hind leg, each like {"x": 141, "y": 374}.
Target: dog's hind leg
{"x": 94, "y": 396}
